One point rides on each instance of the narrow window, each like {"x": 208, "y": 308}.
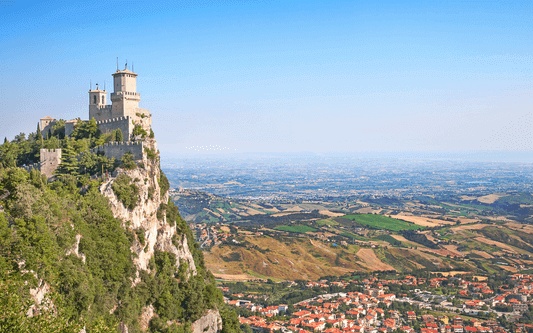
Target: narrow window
{"x": 103, "y": 102}
{"x": 94, "y": 99}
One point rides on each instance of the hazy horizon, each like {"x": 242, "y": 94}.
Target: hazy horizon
{"x": 429, "y": 78}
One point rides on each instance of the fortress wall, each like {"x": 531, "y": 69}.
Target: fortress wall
{"x": 50, "y": 160}
{"x": 118, "y": 149}
{"x": 100, "y": 112}
{"x": 35, "y": 166}
{"x": 124, "y": 123}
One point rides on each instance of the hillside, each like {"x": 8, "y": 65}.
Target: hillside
{"x": 437, "y": 234}
{"x": 104, "y": 251}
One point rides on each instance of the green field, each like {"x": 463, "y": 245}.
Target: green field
{"x": 382, "y": 222}
{"x": 347, "y": 234}
{"x": 296, "y": 228}
{"x": 389, "y": 239}
{"x": 326, "y": 222}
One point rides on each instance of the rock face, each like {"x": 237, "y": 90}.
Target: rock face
{"x": 158, "y": 234}
{"x": 210, "y": 323}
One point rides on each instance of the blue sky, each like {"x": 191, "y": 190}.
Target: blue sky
{"x": 283, "y": 76}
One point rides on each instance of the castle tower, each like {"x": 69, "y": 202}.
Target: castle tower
{"x": 125, "y": 98}
{"x": 97, "y": 102}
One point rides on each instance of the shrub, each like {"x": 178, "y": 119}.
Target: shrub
{"x": 164, "y": 185}
{"x": 126, "y": 191}
{"x": 140, "y": 235}
{"x": 127, "y": 161}
{"x": 151, "y": 154}
{"x": 138, "y": 130}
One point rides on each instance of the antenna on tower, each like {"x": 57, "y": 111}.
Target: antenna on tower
{"x": 104, "y": 85}
{"x": 132, "y": 67}
{"x": 126, "y": 65}
{"x": 117, "y": 64}
{"x": 90, "y": 84}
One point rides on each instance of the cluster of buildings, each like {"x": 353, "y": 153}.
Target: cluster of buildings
{"x": 371, "y": 310}
{"x": 208, "y": 235}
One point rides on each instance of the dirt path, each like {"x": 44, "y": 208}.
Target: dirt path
{"x": 372, "y": 262}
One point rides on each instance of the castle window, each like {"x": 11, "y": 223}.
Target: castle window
{"x": 94, "y": 99}
{"x": 103, "y": 101}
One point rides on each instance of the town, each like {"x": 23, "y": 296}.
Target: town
{"x": 459, "y": 303}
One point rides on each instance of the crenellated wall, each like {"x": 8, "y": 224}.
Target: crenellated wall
{"x": 118, "y": 149}
{"x": 100, "y": 112}
{"x": 124, "y": 123}
{"x": 50, "y": 160}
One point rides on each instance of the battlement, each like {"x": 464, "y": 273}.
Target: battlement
{"x": 106, "y": 121}
{"x": 118, "y": 149}
{"x": 124, "y": 123}
{"x": 125, "y": 93}
{"x": 119, "y": 143}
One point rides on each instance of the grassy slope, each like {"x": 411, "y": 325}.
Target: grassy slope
{"x": 291, "y": 258}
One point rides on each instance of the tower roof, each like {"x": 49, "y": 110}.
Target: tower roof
{"x": 97, "y": 90}
{"x": 124, "y": 71}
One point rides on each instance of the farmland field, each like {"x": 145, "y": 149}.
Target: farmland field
{"x": 347, "y": 234}
{"x": 297, "y": 228}
{"x": 382, "y": 222}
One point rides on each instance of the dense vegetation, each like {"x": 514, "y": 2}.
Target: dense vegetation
{"x": 90, "y": 281}
{"x": 24, "y": 150}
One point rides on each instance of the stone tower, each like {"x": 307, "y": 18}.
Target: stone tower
{"x": 97, "y": 104}
{"x": 125, "y": 97}
{"x": 124, "y": 112}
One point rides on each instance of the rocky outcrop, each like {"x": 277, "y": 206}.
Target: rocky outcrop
{"x": 158, "y": 234}
{"x": 147, "y": 314}
{"x": 75, "y": 249}
{"x": 209, "y": 323}
{"x": 38, "y": 295}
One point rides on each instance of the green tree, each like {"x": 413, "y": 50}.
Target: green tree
{"x": 127, "y": 161}
{"x": 86, "y": 129}
{"x": 118, "y": 135}
{"x": 9, "y": 154}
{"x": 69, "y": 161}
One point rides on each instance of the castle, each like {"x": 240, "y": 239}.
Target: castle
{"x": 124, "y": 113}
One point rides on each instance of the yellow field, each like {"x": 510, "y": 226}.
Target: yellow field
{"x": 422, "y": 221}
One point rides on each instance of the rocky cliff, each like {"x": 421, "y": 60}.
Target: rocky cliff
{"x": 153, "y": 230}
{"x": 158, "y": 233}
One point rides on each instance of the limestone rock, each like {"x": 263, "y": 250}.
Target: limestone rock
{"x": 209, "y": 323}
{"x": 158, "y": 234}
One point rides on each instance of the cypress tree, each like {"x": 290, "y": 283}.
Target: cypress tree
{"x": 38, "y": 132}
{"x": 69, "y": 161}
{"x": 118, "y": 135}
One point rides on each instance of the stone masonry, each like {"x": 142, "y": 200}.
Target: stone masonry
{"x": 124, "y": 114}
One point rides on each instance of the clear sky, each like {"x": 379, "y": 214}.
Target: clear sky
{"x": 283, "y": 76}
